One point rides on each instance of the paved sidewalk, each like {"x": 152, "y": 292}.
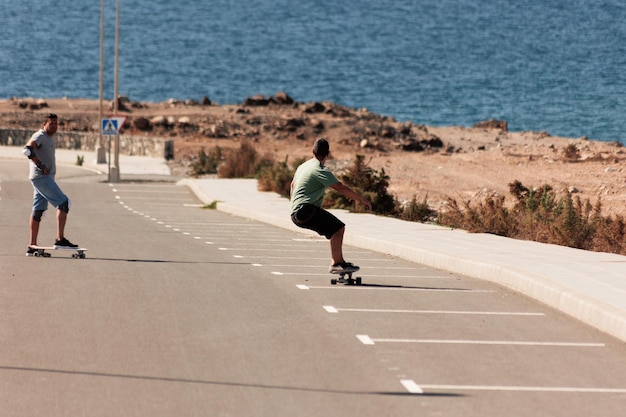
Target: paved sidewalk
{"x": 589, "y": 286}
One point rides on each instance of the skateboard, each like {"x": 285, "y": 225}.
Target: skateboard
{"x": 343, "y": 280}
{"x": 79, "y": 253}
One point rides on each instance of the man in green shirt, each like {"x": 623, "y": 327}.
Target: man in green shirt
{"x": 308, "y": 187}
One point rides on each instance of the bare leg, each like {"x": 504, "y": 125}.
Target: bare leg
{"x": 34, "y": 231}
{"x": 336, "y": 246}
{"x": 61, "y": 220}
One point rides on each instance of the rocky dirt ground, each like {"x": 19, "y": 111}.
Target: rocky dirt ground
{"x": 437, "y": 163}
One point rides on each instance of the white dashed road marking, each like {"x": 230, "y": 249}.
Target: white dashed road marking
{"x": 366, "y": 340}
{"x": 332, "y": 309}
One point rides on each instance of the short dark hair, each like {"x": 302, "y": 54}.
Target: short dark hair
{"x": 47, "y": 118}
{"x": 321, "y": 148}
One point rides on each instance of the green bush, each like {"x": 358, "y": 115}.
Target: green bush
{"x": 367, "y": 182}
{"x": 206, "y": 163}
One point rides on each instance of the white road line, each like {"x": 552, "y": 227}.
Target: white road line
{"x": 377, "y": 276}
{"x": 411, "y": 386}
{"x": 259, "y": 246}
{"x": 524, "y": 389}
{"x": 302, "y": 287}
{"x": 255, "y": 249}
{"x": 326, "y": 258}
{"x": 150, "y": 191}
{"x": 383, "y": 288}
{"x": 297, "y": 265}
{"x": 256, "y": 239}
{"x": 293, "y": 266}
{"x": 485, "y": 313}
{"x": 209, "y": 224}
{"x": 365, "y": 339}
{"x": 371, "y": 341}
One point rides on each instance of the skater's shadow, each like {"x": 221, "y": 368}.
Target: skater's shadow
{"x": 410, "y": 287}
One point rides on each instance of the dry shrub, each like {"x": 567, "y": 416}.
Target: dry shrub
{"x": 571, "y": 153}
{"x": 277, "y": 177}
{"x": 543, "y": 216}
{"x": 244, "y": 162}
{"x": 416, "y": 211}
{"x": 490, "y": 216}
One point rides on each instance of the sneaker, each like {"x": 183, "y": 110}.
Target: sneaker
{"x": 64, "y": 243}
{"x": 343, "y": 267}
{"x": 30, "y": 251}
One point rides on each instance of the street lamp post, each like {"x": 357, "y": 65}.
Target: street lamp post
{"x": 100, "y": 151}
{"x": 114, "y": 175}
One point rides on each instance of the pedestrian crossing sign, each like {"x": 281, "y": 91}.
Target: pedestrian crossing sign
{"x": 112, "y": 125}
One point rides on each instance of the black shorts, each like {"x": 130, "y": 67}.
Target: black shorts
{"x": 317, "y": 219}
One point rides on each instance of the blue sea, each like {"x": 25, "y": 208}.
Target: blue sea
{"x": 552, "y": 65}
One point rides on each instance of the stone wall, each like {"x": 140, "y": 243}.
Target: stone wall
{"x": 129, "y": 145}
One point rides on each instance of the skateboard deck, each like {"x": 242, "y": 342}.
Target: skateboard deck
{"x": 79, "y": 253}
{"x": 343, "y": 280}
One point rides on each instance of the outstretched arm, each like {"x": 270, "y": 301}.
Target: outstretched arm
{"x": 350, "y": 193}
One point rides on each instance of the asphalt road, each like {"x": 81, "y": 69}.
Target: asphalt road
{"x": 182, "y": 310}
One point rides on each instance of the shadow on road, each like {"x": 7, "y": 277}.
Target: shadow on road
{"x": 221, "y": 383}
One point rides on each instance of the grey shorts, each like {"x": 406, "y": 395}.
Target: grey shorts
{"x": 47, "y": 191}
{"x": 317, "y": 219}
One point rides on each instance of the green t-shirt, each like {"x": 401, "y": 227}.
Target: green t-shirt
{"x": 310, "y": 183}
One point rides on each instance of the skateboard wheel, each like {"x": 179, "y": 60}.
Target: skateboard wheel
{"x": 37, "y": 253}
{"x": 333, "y": 282}
{"x": 358, "y": 281}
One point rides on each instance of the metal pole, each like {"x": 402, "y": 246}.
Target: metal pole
{"x": 117, "y": 54}
{"x": 115, "y": 99}
{"x": 100, "y": 151}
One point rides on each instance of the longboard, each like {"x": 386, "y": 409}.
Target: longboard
{"x": 79, "y": 253}
{"x": 343, "y": 280}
